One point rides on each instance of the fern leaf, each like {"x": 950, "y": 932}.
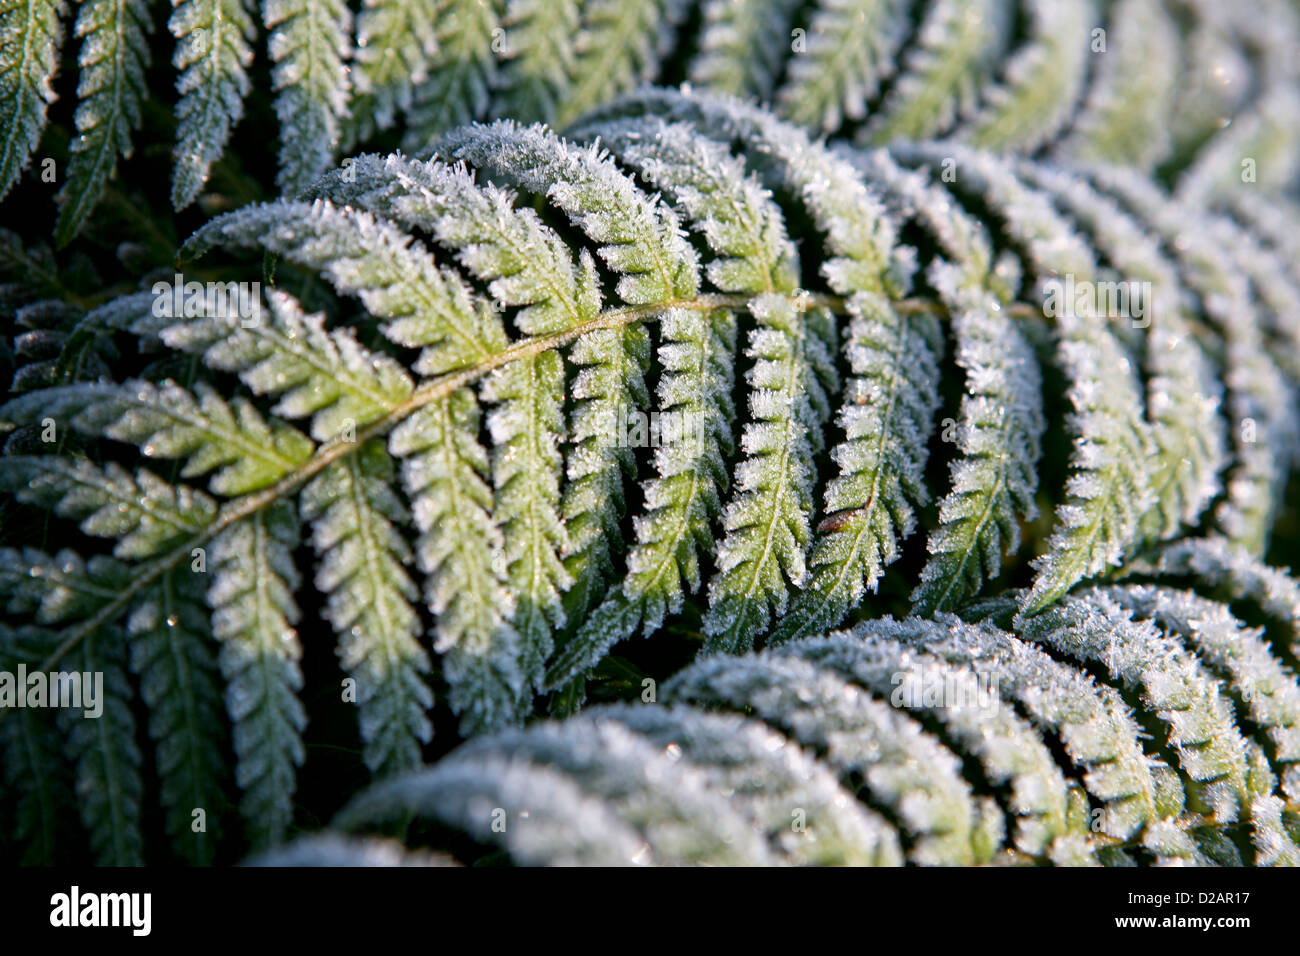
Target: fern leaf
{"x": 354, "y": 516}
{"x": 1269, "y": 694}
{"x": 618, "y": 48}
{"x": 1183, "y": 393}
{"x": 1092, "y": 721}
{"x": 35, "y": 771}
{"x": 1198, "y": 720}
{"x": 371, "y": 258}
{"x": 31, "y": 35}
{"x": 1040, "y": 82}
{"x": 540, "y": 57}
{"x": 169, "y": 636}
{"x": 527, "y": 426}
{"x": 767, "y": 519}
{"x": 972, "y": 714}
{"x": 114, "y": 55}
{"x": 1125, "y": 117}
{"x": 460, "y": 549}
{"x": 683, "y": 820}
{"x": 309, "y": 42}
{"x": 851, "y": 46}
{"x": 955, "y": 51}
{"x": 740, "y": 44}
{"x": 1216, "y": 562}
{"x": 213, "y": 53}
{"x": 549, "y": 818}
{"x": 768, "y": 775}
{"x": 462, "y": 73}
{"x": 253, "y": 619}
{"x": 107, "y": 758}
{"x": 168, "y": 421}
{"x": 145, "y": 514}
{"x": 1001, "y": 425}
{"x": 397, "y": 41}
{"x": 907, "y": 772}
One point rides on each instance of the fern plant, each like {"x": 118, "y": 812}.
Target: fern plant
{"x": 937, "y": 560}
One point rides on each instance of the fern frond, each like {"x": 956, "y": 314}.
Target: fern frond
{"x": 309, "y": 42}
{"x": 253, "y": 620}
{"x": 144, "y": 513}
{"x": 905, "y": 769}
{"x": 35, "y": 772}
{"x": 460, "y": 548}
{"x": 1000, "y": 431}
{"x": 1262, "y": 439}
{"x": 1092, "y": 721}
{"x": 1040, "y": 82}
{"x": 954, "y": 54}
{"x": 354, "y": 516}
{"x": 111, "y": 88}
{"x": 1183, "y": 394}
{"x": 851, "y": 46}
{"x": 540, "y": 57}
{"x": 462, "y": 73}
{"x": 1270, "y": 696}
{"x": 1126, "y": 114}
{"x": 548, "y": 817}
{"x": 213, "y": 54}
{"x": 170, "y": 635}
{"x": 167, "y": 421}
{"x": 396, "y": 279}
{"x": 741, "y": 42}
{"x": 1198, "y": 720}
{"x": 396, "y": 43}
{"x": 681, "y": 818}
{"x": 971, "y": 712}
{"x": 618, "y": 47}
{"x": 108, "y": 760}
{"x": 30, "y": 36}
{"x": 769, "y": 776}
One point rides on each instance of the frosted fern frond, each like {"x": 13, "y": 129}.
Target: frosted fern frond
{"x": 905, "y": 769}
{"x": 851, "y": 47}
{"x": 233, "y": 441}
{"x": 1262, "y": 439}
{"x": 170, "y": 649}
{"x": 460, "y": 78}
{"x": 395, "y": 46}
{"x": 213, "y": 53}
{"x": 1126, "y": 114}
{"x": 354, "y": 515}
{"x": 253, "y": 618}
{"x": 107, "y": 758}
{"x": 956, "y": 48}
{"x": 460, "y": 548}
{"x": 1182, "y": 393}
{"x": 144, "y": 513}
{"x": 1240, "y": 655}
{"x": 34, "y": 769}
{"x": 31, "y": 35}
{"x": 313, "y": 371}
{"x": 1109, "y": 489}
{"x": 1139, "y": 82}
{"x": 308, "y": 44}
{"x": 1041, "y": 80}
{"x": 435, "y": 437}
{"x": 110, "y": 89}
{"x": 741, "y": 44}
